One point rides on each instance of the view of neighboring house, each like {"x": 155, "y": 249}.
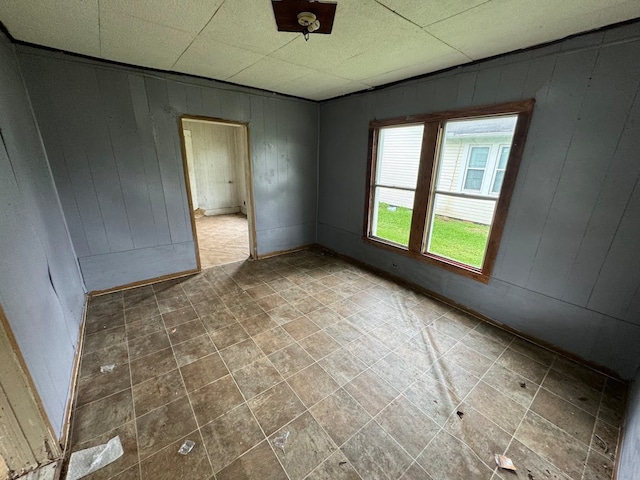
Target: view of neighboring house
{"x": 471, "y": 168}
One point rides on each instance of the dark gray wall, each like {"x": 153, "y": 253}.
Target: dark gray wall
{"x": 41, "y": 289}
{"x": 630, "y": 454}
{"x": 568, "y": 268}
{"x": 113, "y": 142}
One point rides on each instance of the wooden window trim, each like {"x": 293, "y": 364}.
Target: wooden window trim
{"x": 423, "y": 202}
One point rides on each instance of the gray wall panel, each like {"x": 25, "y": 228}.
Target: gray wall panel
{"x": 630, "y": 452}
{"x": 103, "y": 271}
{"x": 115, "y": 146}
{"x": 41, "y": 289}
{"x": 572, "y": 226}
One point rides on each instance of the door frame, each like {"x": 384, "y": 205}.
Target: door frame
{"x": 248, "y": 174}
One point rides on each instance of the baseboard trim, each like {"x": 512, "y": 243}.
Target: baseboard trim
{"x": 142, "y": 283}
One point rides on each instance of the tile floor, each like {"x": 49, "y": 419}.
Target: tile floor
{"x": 222, "y": 239}
{"x": 305, "y": 366}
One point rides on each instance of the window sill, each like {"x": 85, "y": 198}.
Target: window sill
{"x": 450, "y": 265}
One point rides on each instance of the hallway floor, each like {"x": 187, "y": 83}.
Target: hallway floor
{"x": 222, "y": 239}
{"x": 305, "y": 366}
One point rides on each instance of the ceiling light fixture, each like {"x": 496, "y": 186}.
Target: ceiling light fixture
{"x": 304, "y": 16}
{"x": 309, "y": 23}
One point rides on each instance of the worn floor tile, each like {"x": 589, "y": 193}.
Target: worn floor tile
{"x": 215, "y": 399}
{"x": 152, "y": 365}
{"x": 230, "y": 435}
{"x": 103, "y": 384}
{"x": 576, "y": 422}
{"x": 158, "y": 391}
{"x": 557, "y": 446}
{"x": 371, "y": 391}
{"x": 168, "y": 463}
{"x": 496, "y": 407}
{"x": 103, "y": 415}
{"x": 438, "y": 461}
{"x": 276, "y": 407}
{"x": 312, "y": 384}
{"x": 259, "y": 462}
{"x": 307, "y": 446}
{"x": 272, "y": 340}
{"x": 342, "y": 366}
{"x": 407, "y": 425}
{"x": 375, "y": 454}
{"x": 336, "y": 467}
{"x": 290, "y": 360}
{"x": 164, "y": 425}
{"x": 203, "y": 371}
{"x": 241, "y": 354}
{"x": 256, "y": 377}
{"x": 340, "y": 415}
{"x": 193, "y": 349}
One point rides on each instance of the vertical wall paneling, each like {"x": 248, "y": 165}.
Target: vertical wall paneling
{"x": 602, "y": 118}
{"x": 115, "y": 152}
{"x": 567, "y": 267}
{"x": 41, "y": 290}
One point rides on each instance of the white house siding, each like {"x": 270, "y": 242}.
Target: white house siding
{"x": 398, "y": 163}
{"x": 398, "y": 166}
{"x": 472, "y": 210}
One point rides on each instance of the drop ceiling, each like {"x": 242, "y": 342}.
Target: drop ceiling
{"x": 374, "y": 42}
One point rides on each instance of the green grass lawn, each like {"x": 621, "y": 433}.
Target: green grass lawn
{"x": 459, "y": 240}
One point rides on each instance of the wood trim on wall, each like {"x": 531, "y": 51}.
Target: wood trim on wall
{"x": 248, "y": 180}
{"x": 142, "y": 283}
{"x": 32, "y": 439}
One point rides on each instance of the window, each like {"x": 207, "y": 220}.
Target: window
{"x": 476, "y": 166}
{"x": 440, "y": 184}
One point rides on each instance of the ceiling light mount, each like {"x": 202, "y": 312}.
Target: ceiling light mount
{"x": 309, "y": 23}
{"x": 304, "y": 16}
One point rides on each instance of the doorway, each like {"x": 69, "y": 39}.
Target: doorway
{"x": 216, "y": 157}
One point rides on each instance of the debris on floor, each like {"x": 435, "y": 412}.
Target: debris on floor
{"x": 107, "y": 368}
{"x": 281, "y": 440}
{"x": 523, "y": 384}
{"x": 84, "y": 462}
{"x": 603, "y": 443}
{"x": 460, "y": 414}
{"x": 186, "y": 447}
{"x": 504, "y": 462}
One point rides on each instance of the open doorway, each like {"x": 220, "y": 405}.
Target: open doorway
{"x": 216, "y": 155}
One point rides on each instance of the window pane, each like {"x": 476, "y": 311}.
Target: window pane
{"x": 399, "y": 156}
{"x": 392, "y": 214}
{"x": 497, "y": 182}
{"x": 474, "y": 180}
{"x": 460, "y": 228}
{"x": 478, "y": 157}
{"x": 504, "y": 156}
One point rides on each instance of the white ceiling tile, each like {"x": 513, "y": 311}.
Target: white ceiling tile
{"x": 373, "y": 41}
{"x": 504, "y": 25}
{"x": 320, "y": 86}
{"x": 270, "y": 74}
{"x": 437, "y": 63}
{"x": 70, "y": 25}
{"x": 215, "y": 60}
{"x": 422, "y": 53}
{"x": 425, "y": 13}
{"x": 189, "y": 16}
{"x": 131, "y": 40}
{"x": 247, "y": 24}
